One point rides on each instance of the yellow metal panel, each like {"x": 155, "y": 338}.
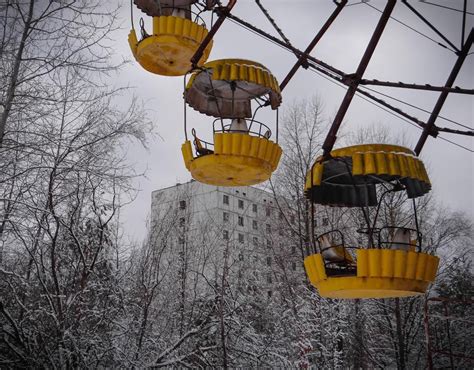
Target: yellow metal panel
{"x": 375, "y": 268}
{"x": 238, "y": 160}
{"x": 362, "y": 262}
{"x": 309, "y": 269}
{"x": 319, "y": 263}
{"x": 234, "y": 72}
{"x": 269, "y": 152}
{"x": 132, "y": 41}
{"x": 244, "y": 72}
{"x": 194, "y": 33}
{"x": 381, "y": 160}
{"x": 388, "y": 261}
{"x": 421, "y": 266}
{"x": 369, "y": 164}
{"x": 402, "y": 161}
{"x": 372, "y": 287}
{"x": 357, "y": 164}
{"x": 262, "y": 149}
{"x": 236, "y": 143}
{"x": 277, "y": 158}
{"x": 218, "y": 143}
{"x": 187, "y": 28}
{"x": 412, "y": 169}
{"x": 411, "y": 265}
{"x": 187, "y": 153}
{"x": 226, "y": 144}
{"x": 275, "y": 153}
{"x": 393, "y": 166}
{"x": 400, "y": 263}
{"x": 255, "y": 144}
{"x": 246, "y": 143}
{"x": 169, "y": 50}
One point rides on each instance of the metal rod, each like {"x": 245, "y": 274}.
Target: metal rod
{"x": 430, "y": 25}
{"x": 184, "y": 109}
{"x": 442, "y": 97}
{"x": 455, "y": 89}
{"x": 451, "y": 131}
{"x": 277, "y": 125}
{"x": 338, "y": 75}
{"x": 434, "y": 132}
{"x": 283, "y": 44}
{"x": 272, "y": 21}
{"x": 331, "y": 136}
{"x": 319, "y": 35}
{"x": 463, "y": 30}
{"x": 224, "y": 12}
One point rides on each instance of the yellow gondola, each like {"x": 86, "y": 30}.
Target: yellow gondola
{"x": 175, "y": 38}
{"x": 392, "y": 264}
{"x": 241, "y": 152}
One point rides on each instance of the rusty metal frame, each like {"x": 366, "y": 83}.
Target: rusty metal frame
{"x": 303, "y": 57}
{"x": 455, "y": 89}
{"x": 223, "y": 13}
{"x": 430, "y": 128}
{"x": 428, "y": 23}
{"x": 351, "y": 79}
{"x": 430, "y": 351}
{"x": 355, "y": 78}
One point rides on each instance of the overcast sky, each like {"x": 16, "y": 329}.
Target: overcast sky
{"x": 402, "y": 55}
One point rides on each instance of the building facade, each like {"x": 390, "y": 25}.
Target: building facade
{"x": 243, "y": 233}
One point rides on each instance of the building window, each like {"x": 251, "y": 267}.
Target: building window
{"x": 181, "y": 222}
{"x": 268, "y": 228}
{"x": 325, "y": 221}
{"x": 255, "y": 225}
{"x": 269, "y": 243}
{"x": 241, "y": 204}
{"x": 254, "y": 208}
{"x": 293, "y": 266}
{"x": 255, "y": 241}
{"x": 225, "y": 216}
{"x": 225, "y": 199}
{"x": 269, "y": 279}
{"x": 182, "y": 204}
{"x": 181, "y": 240}
{"x": 269, "y": 261}
{"x": 241, "y": 238}
{"x": 269, "y": 294}
{"x": 241, "y": 221}
{"x": 241, "y": 257}
{"x": 268, "y": 211}
{"x": 225, "y": 235}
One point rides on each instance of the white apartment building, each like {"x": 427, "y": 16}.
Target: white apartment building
{"x": 242, "y": 229}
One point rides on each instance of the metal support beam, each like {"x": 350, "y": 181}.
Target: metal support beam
{"x": 455, "y": 89}
{"x": 430, "y": 25}
{"x": 340, "y": 76}
{"x": 283, "y": 44}
{"x": 224, "y": 12}
{"x": 303, "y": 57}
{"x": 430, "y": 124}
{"x": 332, "y": 134}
